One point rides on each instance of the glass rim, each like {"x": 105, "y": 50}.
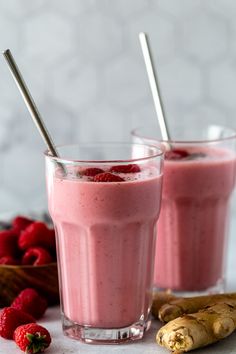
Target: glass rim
{"x": 159, "y": 153}
{"x": 194, "y": 141}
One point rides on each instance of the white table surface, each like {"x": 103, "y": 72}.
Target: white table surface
{"x": 63, "y": 345}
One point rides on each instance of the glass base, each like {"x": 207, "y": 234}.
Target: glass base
{"x": 218, "y": 288}
{"x": 91, "y": 335}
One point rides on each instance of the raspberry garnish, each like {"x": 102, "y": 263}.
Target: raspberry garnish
{"x": 91, "y": 171}
{"x": 107, "y": 177}
{"x": 132, "y": 168}
{"x": 176, "y": 154}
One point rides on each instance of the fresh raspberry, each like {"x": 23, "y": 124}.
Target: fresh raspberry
{"x": 36, "y": 256}
{"x": 32, "y": 338}
{"x": 19, "y": 223}
{"x": 10, "y": 319}
{"x": 132, "y": 168}
{"x": 30, "y": 302}
{"x": 107, "y": 177}
{"x": 37, "y": 234}
{"x": 91, "y": 171}
{"x": 8, "y": 243}
{"x": 176, "y": 154}
{"x": 8, "y": 260}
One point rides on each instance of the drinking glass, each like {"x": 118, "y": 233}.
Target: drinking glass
{"x": 199, "y": 178}
{"x": 104, "y": 204}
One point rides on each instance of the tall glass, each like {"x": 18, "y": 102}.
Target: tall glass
{"x": 104, "y": 204}
{"x": 199, "y": 178}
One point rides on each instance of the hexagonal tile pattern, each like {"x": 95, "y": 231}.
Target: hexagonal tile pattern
{"x": 206, "y": 113}
{"x": 73, "y": 88}
{"x": 47, "y": 38}
{"x": 95, "y": 125}
{"x": 179, "y": 8}
{"x": 59, "y": 122}
{"x": 180, "y": 81}
{"x": 161, "y": 31}
{"x": 123, "y": 8}
{"x": 205, "y": 37}
{"x": 101, "y": 37}
{"x": 224, "y": 8}
{"x": 71, "y": 7}
{"x": 223, "y": 83}
{"x": 126, "y": 82}
{"x": 10, "y": 202}
{"x": 24, "y": 171}
{"x": 9, "y": 34}
{"x": 83, "y": 64}
{"x": 15, "y": 8}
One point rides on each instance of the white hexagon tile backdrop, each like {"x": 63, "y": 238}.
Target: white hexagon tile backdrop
{"x": 83, "y": 64}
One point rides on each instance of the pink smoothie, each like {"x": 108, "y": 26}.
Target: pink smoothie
{"x": 106, "y": 241}
{"x": 193, "y": 220}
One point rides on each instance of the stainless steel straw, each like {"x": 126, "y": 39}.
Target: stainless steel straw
{"x": 156, "y": 94}
{"x": 29, "y": 102}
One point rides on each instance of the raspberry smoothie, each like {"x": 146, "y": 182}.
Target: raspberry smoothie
{"x": 105, "y": 225}
{"x": 192, "y": 227}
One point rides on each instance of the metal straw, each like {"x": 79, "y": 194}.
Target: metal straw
{"x": 29, "y": 102}
{"x": 156, "y": 94}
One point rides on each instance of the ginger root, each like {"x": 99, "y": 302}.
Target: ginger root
{"x": 180, "y": 306}
{"x": 161, "y": 298}
{"x": 199, "y": 329}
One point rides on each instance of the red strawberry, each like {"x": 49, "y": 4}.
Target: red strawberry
{"x": 132, "y": 168}
{"x": 91, "y": 171}
{"x": 8, "y": 260}
{"x": 32, "y": 338}
{"x": 10, "y": 319}
{"x": 19, "y": 223}
{"x": 107, "y": 177}
{"x": 8, "y": 243}
{"x": 37, "y": 234}
{"x": 30, "y": 302}
{"x": 176, "y": 154}
{"x": 36, "y": 256}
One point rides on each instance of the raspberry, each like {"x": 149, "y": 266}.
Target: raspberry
{"x": 19, "y": 223}
{"x": 30, "y": 302}
{"x": 10, "y": 319}
{"x": 8, "y": 243}
{"x": 176, "y": 154}
{"x": 107, "y": 177}
{"x": 8, "y": 260}
{"x": 32, "y": 338}
{"x": 36, "y": 256}
{"x": 132, "y": 168}
{"x": 91, "y": 172}
{"x": 37, "y": 235}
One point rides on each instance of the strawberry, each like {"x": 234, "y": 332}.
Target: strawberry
{"x": 32, "y": 338}
{"x": 91, "y": 171}
{"x": 36, "y": 256}
{"x": 107, "y": 177}
{"x": 10, "y": 319}
{"x": 132, "y": 168}
{"x": 8, "y": 260}
{"x": 176, "y": 154}
{"x": 30, "y": 302}
{"x": 8, "y": 243}
{"x": 37, "y": 234}
{"x": 19, "y": 223}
